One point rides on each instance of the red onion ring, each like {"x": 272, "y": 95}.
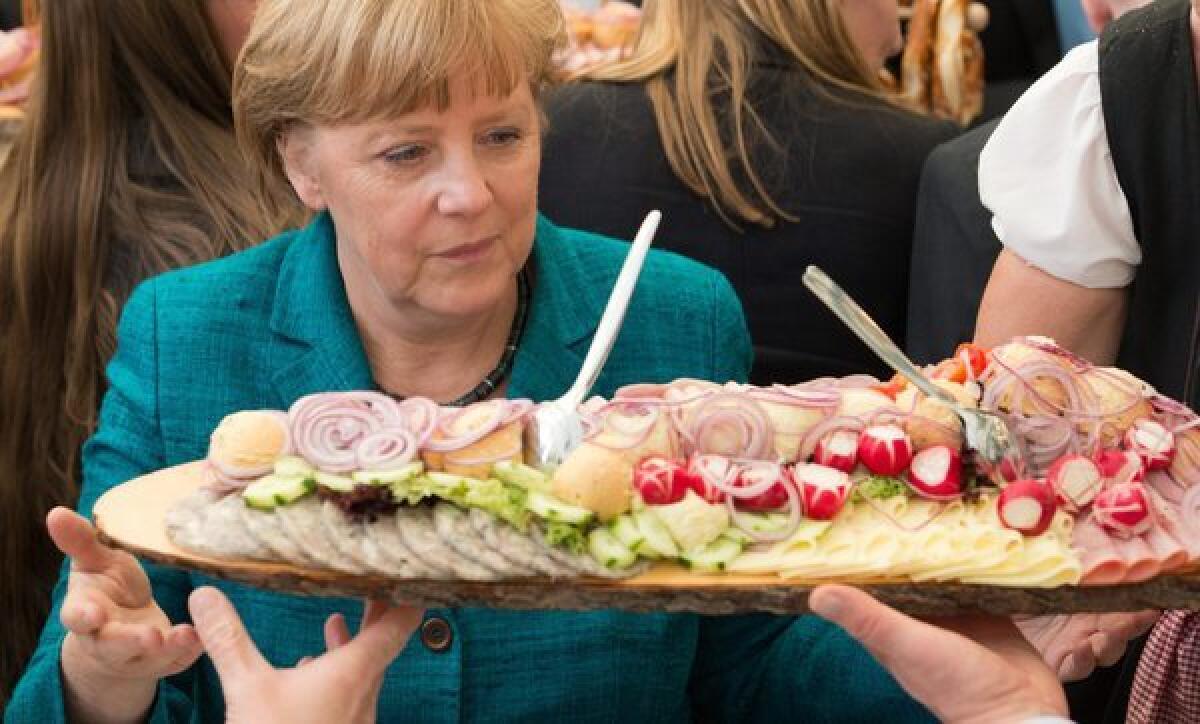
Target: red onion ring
{"x": 385, "y": 449}
{"x": 823, "y": 428}
{"x": 728, "y": 410}
{"x": 794, "y": 513}
{"x": 451, "y": 441}
{"x": 615, "y": 418}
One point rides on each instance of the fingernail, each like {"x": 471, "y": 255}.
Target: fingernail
{"x": 203, "y": 601}
{"x": 829, "y": 604}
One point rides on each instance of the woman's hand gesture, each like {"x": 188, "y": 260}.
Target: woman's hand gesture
{"x": 341, "y": 685}
{"x": 119, "y": 643}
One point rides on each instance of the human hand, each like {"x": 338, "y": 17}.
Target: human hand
{"x": 1075, "y": 645}
{"x": 119, "y": 643}
{"x": 967, "y": 669}
{"x": 340, "y": 685}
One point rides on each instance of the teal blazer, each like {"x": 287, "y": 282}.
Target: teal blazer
{"x": 263, "y": 327}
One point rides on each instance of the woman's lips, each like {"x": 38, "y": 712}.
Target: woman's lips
{"x": 469, "y": 252}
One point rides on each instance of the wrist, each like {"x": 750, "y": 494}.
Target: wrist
{"x": 92, "y": 694}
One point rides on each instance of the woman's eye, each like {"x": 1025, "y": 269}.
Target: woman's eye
{"x": 502, "y": 137}
{"x": 405, "y": 154}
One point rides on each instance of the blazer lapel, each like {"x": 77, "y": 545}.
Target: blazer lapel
{"x": 563, "y": 316}
{"x": 316, "y": 344}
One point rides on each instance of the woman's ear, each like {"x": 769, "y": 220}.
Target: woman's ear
{"x": 297, "y": 149}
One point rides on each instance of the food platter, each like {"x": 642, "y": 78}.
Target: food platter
{"x": 130, "y": 517}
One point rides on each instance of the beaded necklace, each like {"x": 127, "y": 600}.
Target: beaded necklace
{"x": 503, "y": 368}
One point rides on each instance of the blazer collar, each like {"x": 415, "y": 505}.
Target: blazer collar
{"x": 318, "y": 348}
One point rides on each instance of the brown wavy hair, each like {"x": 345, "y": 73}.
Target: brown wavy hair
{"x": 696, "y": 58}
{"x": 126, "y": 166}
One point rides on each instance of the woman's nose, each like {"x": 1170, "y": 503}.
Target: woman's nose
{"x": 465, "y": 191}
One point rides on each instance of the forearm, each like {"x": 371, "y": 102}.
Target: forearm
{"x": 1021, "y": 299}
{"x": 89, "y": 695}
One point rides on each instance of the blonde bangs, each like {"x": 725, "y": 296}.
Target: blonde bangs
{"x": 351, "y": 61}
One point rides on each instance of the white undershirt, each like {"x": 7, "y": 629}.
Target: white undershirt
{"x": 1047, "y": 176}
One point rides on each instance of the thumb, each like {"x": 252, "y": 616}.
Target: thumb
{"x": 76, "y": 538}
{"x": 913, "y": 651}
{"x": 383, "y": 636}
{"x": 229, "y": 647}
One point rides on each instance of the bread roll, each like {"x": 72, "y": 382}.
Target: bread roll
{"x": 1015, "y": 354}
{"x": 597, "y": 478}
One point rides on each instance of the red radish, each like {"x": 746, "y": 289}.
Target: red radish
{"x": 1153, "y": 442}
{"x": 1026, "y": 506}
{"x": 661, "y": 481}
{"x": 1076, "y": 480}
{"x": 838, "y": 450}
{"x": 707, "y": 472}
{"x": 936, "y": 473}
{"x": 756, "y": 475}
{"x": 885, "y": 449}
{"x": 1120, "y": 466}
{"x": 1124, "y": 509}
{"x": 823, "y": 489}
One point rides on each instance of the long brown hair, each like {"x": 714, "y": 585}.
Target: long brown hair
{"x": 696, "y": 60}
{"x": 126, "y": 166}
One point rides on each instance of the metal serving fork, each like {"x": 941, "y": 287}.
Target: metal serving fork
{"x": 986, "y": 433}
{"x": 556, "y": 427}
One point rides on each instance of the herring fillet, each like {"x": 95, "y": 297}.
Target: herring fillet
{"x": 302, "y": 523}
{"x": 267, "y": 526}
{"x": 212, "y": 525}
{"x": 391, "y": 547}
{"x": 517, "y": 546}
{"x": 421, "y": 537}
{"x": 457, "y": 532}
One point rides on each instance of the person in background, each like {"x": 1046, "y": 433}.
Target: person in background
{"x": 760, "y": 129}
{"x": 426, "y": 271}
{"x": 126, "y": 166}
{"x": 1093, "y": 182}
{"x": 953, "y": 238}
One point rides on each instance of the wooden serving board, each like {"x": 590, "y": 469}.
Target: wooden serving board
{"x": 131, "y": 516}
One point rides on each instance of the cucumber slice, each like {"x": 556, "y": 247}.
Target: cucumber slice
{"x": 605, "y": 547}
{"x": 544, "y": 506}
{"x": 738, "y": 535}
{"x": 657, "y": 538}
{"x": 275, "y": 490}
{"x": 714, "y": 557}
{"x": 292, "y": 465}
{"x": 763, "y": 522}
{"x": 521, "y": 475}
{"x": 336, "y": 483}
{"x": 401, "y": 474}
{"x": 626, "y": 531}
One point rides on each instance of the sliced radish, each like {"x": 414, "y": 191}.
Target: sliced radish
{"x": 661, "y": 481}
{"x": 1010, "y": 470}
{"x": 1153, "y": 442}
{"x": 707, "y": 474}
{"x": 1026, "y": 506}
{"x": 823, "y": 489}
{"x": 758, "y": 475}
{"x": 885, "y": 449}
{"x": 936, "y": 473}
{"x": 1076, "y": 480}
{"x": 838, "y": 450}
{"x": 1124, "y": 509}
{"x": 1120, "y": 466}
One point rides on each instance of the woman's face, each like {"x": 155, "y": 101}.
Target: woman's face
{"x": 874, "y": 27}
{"x": 435, "y": 211}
